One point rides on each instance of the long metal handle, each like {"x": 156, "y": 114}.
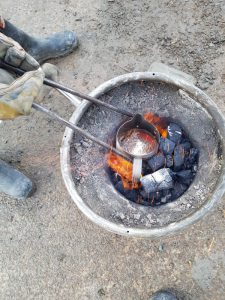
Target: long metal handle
{"x": 81, "y": 131}
{"x": 74, "y": 100}
{"x": 59, "y": 86}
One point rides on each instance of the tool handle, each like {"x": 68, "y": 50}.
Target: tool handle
{"x": 53, "y": 115}
{"x": 59, "y": 86}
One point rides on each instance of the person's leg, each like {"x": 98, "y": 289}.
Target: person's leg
{"x": 56, "y": 45}
{"x": 13, "y": 182}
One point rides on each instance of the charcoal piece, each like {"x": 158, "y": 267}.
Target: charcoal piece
{"x": 165, "y": 192}
{"x": 140, "y": 199}
{"x": 114, "y": 177}
{"x": 144, "y": 195}
{"x": 146, "y": 169}
{"x": 191, "y": 159}
{"x": 178, "y": 158}
{"x": 119, "y": 187}
{"x": 149, "y": 184}
{"x": 193, "y": 155}
{"x": 157, "y": 181}
{"x": 178, "y": 190}
{"x": 187, "y": 163}
{"x": 129, "y": 194}
{"x": 174, "y": 133}
{"x": 151, "y": 198}
{"x": 155, "y": 196}
{"x": 166, "y": 146}
{"x": 186, "y": 146}
{"x": 157, "y": 161}
{"x": 145, "y": 203}
{"x": 184, "y": 139}
{"x": 169, "y": 161}
{"x": 185, "y": 176}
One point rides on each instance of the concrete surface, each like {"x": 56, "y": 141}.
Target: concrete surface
{"x": 49, "y": 250}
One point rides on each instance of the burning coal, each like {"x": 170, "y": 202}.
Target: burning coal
{"x": 166, "y": 175}
{"x": 122, "y": 169}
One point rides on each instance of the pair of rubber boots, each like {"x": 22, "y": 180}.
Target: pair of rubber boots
{"x": 13, "y": 182}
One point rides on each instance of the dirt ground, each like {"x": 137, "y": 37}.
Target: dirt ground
{"x": 49, "y": 250}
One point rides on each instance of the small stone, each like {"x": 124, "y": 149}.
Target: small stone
{"x": 86, "y": 144}
{"x": 174, "y": 133}
{"x": 79, "y": 150}
{"x": 196, "y": 187}
{"x": 166, "y": 146}
{"x": 121, "y": 215}
{"x": 151, "y": 219}
{"x": 101, "y": 292}
{"x": 157, "y": 161}
{"x": 137, "y": 216}
{"x": 161, "y": 247}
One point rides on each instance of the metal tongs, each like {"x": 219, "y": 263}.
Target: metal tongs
{"x": 137, "y": 121}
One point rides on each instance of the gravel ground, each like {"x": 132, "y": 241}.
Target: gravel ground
{"x": 49, "y": 250}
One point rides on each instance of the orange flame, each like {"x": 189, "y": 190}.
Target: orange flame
{"x": 123, "y": 168}
{"x": 159, "y": 122}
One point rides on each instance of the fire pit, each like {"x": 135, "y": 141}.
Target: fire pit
{"x": 86, "y": 170}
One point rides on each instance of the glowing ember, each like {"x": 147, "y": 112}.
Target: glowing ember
{"x": 159, "y": 122}
{"x": 124, "y": 169}
{"x": 138, "y": 142}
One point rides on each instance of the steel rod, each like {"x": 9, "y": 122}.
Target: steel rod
{"x": 53, "y": 115}
{"x": 69, "y": 90}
